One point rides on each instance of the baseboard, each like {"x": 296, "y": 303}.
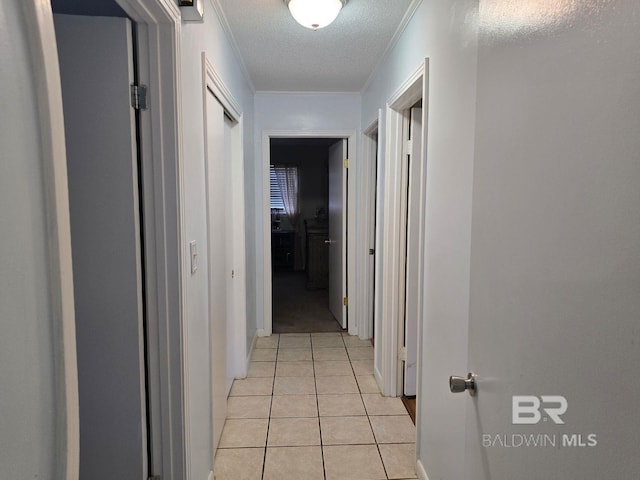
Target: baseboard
{"x": 378, "y": 376}
{"x": 211, "y": 476}
{"x": 422, "y": 474}
{"x": 249, "y": 353}
{"x": 261, "y": 332}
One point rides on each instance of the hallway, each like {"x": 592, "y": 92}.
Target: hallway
{"x": 310, "y": 409}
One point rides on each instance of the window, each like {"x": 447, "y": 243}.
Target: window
{"x": 276, "y": 195}
{"x": 284, "y": 189}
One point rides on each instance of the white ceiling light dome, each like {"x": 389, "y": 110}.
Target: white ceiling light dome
{"x": 315, "y": 14}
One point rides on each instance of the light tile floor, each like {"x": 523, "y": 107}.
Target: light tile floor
{"x": 310, "y": 409}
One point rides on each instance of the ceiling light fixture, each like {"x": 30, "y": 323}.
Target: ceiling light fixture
{"x": 315, "y": 14}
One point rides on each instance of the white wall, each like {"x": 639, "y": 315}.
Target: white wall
{"x": 196, "y": 38}
{"x": 287, "y": 112}
{"x": 444, "y": 31}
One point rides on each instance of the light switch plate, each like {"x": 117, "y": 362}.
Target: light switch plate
{"x": 193, "y": 248}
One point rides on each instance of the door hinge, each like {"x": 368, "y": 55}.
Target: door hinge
{"x": 346, "y": 163}
{"x": 402, "y": 354}
{"x": 139, "y": 97}
{"x": 408, "y": 147}
{"x": 372, "y": 251}
{"x": 345, "y": 301}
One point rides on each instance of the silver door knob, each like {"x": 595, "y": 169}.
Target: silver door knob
{"x": 460, "y": 384}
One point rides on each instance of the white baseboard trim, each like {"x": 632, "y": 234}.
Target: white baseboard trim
{"x": 211, "y": 476}
{"x": 261, "y": 332}
{"x": 422, "y": 474}
{"x": 249, "y": 353}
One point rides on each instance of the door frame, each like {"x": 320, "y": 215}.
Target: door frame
{"x": 416, "y": 87}
{"x": 46, "y": 69}
{"x": 368, "y": 189}
{"x": 212, "y": 81}
{"x": 350, "y": 136}
{"x": 158, "y": 24}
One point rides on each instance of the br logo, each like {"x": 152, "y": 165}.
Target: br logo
{"x": 527, "y": 409}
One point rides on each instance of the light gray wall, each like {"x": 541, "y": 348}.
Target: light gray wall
{"x": 31, "y": 420}
{"x": 444, "y": 31}
{"x": 210, "y": 38}
{"x": 555, "y": 270}
{"x": 291, "y": 112}
{"x": 96, "y": 69}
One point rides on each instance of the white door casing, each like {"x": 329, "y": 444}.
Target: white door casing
{"x": 265, "y": 247}
{"x": 96, "y": 64}
{"x": 338, "y": 231}
{"x": 37, "y": 348}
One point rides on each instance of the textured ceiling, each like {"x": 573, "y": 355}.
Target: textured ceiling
{"x": 281, "y": 55}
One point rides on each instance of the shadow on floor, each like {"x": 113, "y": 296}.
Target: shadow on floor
{"x": 298, "y": 310}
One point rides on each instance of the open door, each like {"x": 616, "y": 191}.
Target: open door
{"x": 412, "y": 250}
{"x": 338, "y": 231}
{"x": 96, "y": 67}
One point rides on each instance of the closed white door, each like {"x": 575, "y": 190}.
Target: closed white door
{"x": 338, "y": 231}
{"x": 217, "y": 259}
{"x": 412, "y": 248}
{"x": 96, "y": 66}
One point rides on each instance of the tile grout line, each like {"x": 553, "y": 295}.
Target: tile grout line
{"x": 315, "y": 385}
{"x": 273, "y": 385}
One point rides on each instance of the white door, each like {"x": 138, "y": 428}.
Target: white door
{"x": 338, "y": 231}
{"x": 96, "y": 66}
{"x": 412, "y": 264}
{"x": 555, "y": 278}
{"x": 217, "y": 260}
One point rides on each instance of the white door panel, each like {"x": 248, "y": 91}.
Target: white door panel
{"x": 337, "y": 231}
{"x": 412, "y": 269}
{"x": 96, "y": 66}
{"x": 217, "y": 260}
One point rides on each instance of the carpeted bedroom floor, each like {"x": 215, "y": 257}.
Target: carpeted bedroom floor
{"x": 298, "y": 310}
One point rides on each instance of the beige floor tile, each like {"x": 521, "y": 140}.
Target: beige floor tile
{"x": 293, "y": 432}
{"x": 261, "y": 369}
{"x": 352, "y": 341}
{"x": 367, "y": 384}
{"x": 244, "y": 433}
{"x": 249, "y": 407}
{"x": 393, "y": 429}
{"x": 321, "y": 353}
{"x": 399, "y": 460}
{"x": 239, "y": 464}
{"x": 331, "y": 368}
{"x": 293, "y": 463}
{"x": 294, "y": 386}
{"x": 346, "y": 431}
{"x": 264, "y": 355}
{"x": 323, "y": 342}
{"x": 295, "y": 342}
{"x": 353, "y": 462}
{"x": 362, "y": 367}
{"x": 252, "y": 386}
{"x": 361, "y": 353}
{"x": 340, "y": 405}
{"x": 294, "y": 354}
{"x": 283, "y": 406}
{"x": 291, "y": 335}
{"x": 336, "y": 385}
{"x": 295, "y": 369}
{"x": 268, "y": 342}
{"x": 376, "y": 404}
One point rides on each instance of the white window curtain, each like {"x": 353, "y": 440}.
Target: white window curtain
{"x": 287, "y": 178}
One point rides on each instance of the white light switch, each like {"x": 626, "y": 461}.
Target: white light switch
{"x": 193, "y": 247}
